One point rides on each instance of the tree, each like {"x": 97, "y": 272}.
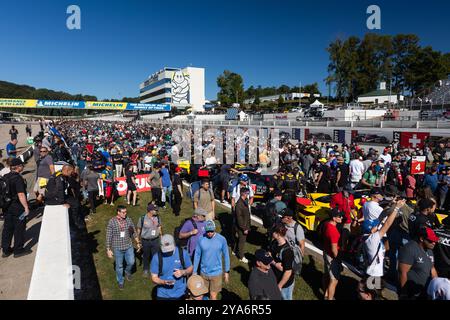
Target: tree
{"x": 231, "y": 88}
{"x": 280, "y": 101}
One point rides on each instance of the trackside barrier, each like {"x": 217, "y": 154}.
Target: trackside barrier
{"x": 27, "y": 154}
{"x": 52, "y": 277}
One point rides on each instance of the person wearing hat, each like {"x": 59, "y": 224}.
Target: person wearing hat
{"x": 149, "y": 230}
{"x": 204, "y": 198}
{"x": 244, "y": 182}
{"x": 295, "y": 233}
{"x": 170, "y": 268}
{"x": 108, "y": 183}
{"x": 210, "y": 251}
{"x": 373, "y": 234}
{"x": 416, "y": 265}
{"x": 193, "y": 230}
{"x": 345, "y": 202}
{"x": 331, "y": 254}
{"x": 242, "y": 224}
{"x": 262, "y": 282}
{"x": 196, "y": 288}
{"x": 16, "y": 212}
{"x": 371, "y": 209}
{"x": 177, "y": 192}
{"x": 323, "y": 179}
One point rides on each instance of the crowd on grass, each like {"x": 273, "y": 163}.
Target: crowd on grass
{"x": 386, "y": 221}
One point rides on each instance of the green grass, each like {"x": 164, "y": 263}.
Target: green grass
{"x": 141, "y": 289}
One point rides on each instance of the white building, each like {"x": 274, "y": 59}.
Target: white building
{"x": 380, "y": 96}
{"x": 286, "y": 96}
{"x": 181, "y": 88}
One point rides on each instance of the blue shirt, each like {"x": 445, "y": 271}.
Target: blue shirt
{"x": 193, "y": 240}
{"x": 170, "y": 264}
{"x": 210, "y": 252}
{"x": 10, "y": 147}
{"x": 165, "y": 178}
{"x": 431, "y": 180}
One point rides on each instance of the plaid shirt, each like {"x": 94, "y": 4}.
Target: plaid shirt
{"x": 113, "y": 239}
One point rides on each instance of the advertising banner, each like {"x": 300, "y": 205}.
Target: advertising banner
{"x": 141, "y": 184}
{"x": 413, "y": 139}
{"x": 418, "y": 165}
{"x": 306, "y": 134}
{"x": 102, "y": 105}
{"x": 396, "y": 135}
{"x": 296, "y": 134}
{"x": 339, "y": 136}
{"x": 60, "y": 104}
{"x": 17, "y": 103}
{"x": 149, "y": 107}
{"x": 354, "y": 135}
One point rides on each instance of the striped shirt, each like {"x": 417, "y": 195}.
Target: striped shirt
{"x": 119, "y": 234}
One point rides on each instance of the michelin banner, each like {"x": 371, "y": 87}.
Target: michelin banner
{"x": 93, "y": 105}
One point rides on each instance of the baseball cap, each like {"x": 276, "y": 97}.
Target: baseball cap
{"x": 16, "y": 162}
{"x": 335, "y": 212}
{"x": 196, "y": 285}
{"x": 263, "y": 256}
{"x": 200, "y": 212}
{"x": 288, "y": 213}
{"x": 375, "y": 191}
{"x": 167, "y": 243}
{"x": 210, "y": 226}
{"x": 277, "y": 193}
{"x": 151, "y": 207}
{"x": 323, "y": 160}
{"x": 178, "y": 169}
{"x": 368, "y": 225}
{"x": 428, "y": 234}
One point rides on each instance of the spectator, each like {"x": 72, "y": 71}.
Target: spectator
{"x": 7, "y": 168}
{"x": 119, "y": 234}
{"x": 331, "y": 256}
{"x": 204, "y": 198}
{"x": 131, "y": 184}
{"x": 208, "y": 256}
{"x": 324, "y": 177}
{"x": 117, "y": 159}
{"x": 424, "y": 217}
{"x": 370, "y": 177}
{"x": 342, "y": 173}
{"x": 410, "y": 186}
{"x": 371, "y": 210}
{"x": 194, "y": 229}
{"x": 90, "y": 181}
{"x": 11, "y": 151}
{"x": 439, "y": 289}
{"x": 28, "y": 130}
{"x": 149, "y": 231}
{"x": 154, "y": 180}
{"x": 262, "y": 281}
{"x": 16, "y": 213}
{"x": 386, "y": 157}
{"x": 344, "y": 201}
{"x": 439, "y": 153}
{"x": 444, "y": 183}
{"x": 177, "y": 192}
{"x": 13, "y": 133}
{"x": 416, "y": 265}
{"x": 242, "y": 224}
{"x": 236, "y": 194}
{"x": 196, "y": 288}
{"x": 45, "y": 169}
{"x": 170, "y": 267}
{"x": 431, "y": 180}
{"x": 108, "y": 184}
{"x": 295, "y": 234}
{"x": 284, "y": 259}
{"x": 166, "y": 185}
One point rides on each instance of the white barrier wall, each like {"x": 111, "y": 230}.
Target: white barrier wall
{"x": 52, "y": 277}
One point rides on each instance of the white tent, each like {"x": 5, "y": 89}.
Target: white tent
{"x": 317, "y": 103}
{"x": 242, "y": 116}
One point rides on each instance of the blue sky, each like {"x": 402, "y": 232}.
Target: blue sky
{"x": 122, "y": 42}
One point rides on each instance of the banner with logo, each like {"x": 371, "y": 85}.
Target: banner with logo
{"x": 296, "y": 134}
{"x": 60, "y": 104}
{"x": 149, "y": 107}
{"x": 141, "y": 184}
{"x": 306, "y": 134}
{"x": 413, "y": 140}
{"x": 418, "y": 165}
{"x": 339, "y": 136}
{"x": 17, "y": 103}
{"x": 102, "y": 105}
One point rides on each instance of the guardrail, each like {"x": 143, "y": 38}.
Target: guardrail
{"x": 52, "y": 277}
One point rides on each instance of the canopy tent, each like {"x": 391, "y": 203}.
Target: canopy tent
{"x": 317, "y": 103}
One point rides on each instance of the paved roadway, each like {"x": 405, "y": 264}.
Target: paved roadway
{"x": 15, "y": 275}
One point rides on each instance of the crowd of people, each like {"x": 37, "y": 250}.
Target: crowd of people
{"x": 380, "y": 214}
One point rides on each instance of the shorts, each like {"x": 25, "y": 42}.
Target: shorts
{"x": 210, "y": 216}
{"x": 131, "y": 187}
{"x": 332, "y": 267}
{"x": 213, "y": 283}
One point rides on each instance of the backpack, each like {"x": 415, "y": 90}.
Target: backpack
{"x": 298, "y": 259}
{"x": 6, "y": 198}
{"x": 232, "y": 184}
{"x": 182, "y": 243}
{"x": 142, "y": 222}
{"x": 270, "y": 215}
{"x": 160, "y": 260}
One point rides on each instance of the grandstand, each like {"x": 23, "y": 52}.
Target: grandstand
{"x": 440, "y": 94}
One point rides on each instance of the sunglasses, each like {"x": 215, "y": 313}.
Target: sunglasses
{"x": 43, "y": 151}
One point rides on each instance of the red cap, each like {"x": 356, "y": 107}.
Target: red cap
{"x": 177, "y": 169}
{"x": 428, "y": 233}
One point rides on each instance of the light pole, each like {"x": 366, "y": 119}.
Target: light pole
{"x": 300, "y": 96}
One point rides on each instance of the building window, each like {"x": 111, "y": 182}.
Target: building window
{"x": 155, "y": 84}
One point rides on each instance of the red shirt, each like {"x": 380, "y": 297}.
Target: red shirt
{"x": 343, "y": 204}
{"x": 331, "y": 236}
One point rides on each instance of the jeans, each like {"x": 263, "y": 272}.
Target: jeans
{"x": 129, "y": 258}
{"x": 168, "y": 192}
{"x": 92, "y": 196}
{"x": 397, "y": 239}
{"x": 286, "y": 293}
{"x": 119, "y": 169}
{"x": 149, "y": 248}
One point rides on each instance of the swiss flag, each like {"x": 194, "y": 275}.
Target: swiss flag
{"x": 413, "y": 139}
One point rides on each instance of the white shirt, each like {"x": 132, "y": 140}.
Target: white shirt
{"x": 356, "y": 170}
{"x": 387, "y": 158}
{"x": 371, "y": 245}
{"x": 237, "y": 192}
{"x": 439, "y": 288}
{"x": 148, "y": 159}
{"x": 4, "y": 171}
{"x": 371, "y": 210}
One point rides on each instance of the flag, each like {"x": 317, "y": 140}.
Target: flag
{"x": 413, "y": 139}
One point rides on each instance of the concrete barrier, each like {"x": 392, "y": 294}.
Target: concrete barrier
{"x": 27, "y": 154}
{"x": 52, "y": 277}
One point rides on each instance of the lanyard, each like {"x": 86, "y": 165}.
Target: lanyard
{"x": 122, "y": 224}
